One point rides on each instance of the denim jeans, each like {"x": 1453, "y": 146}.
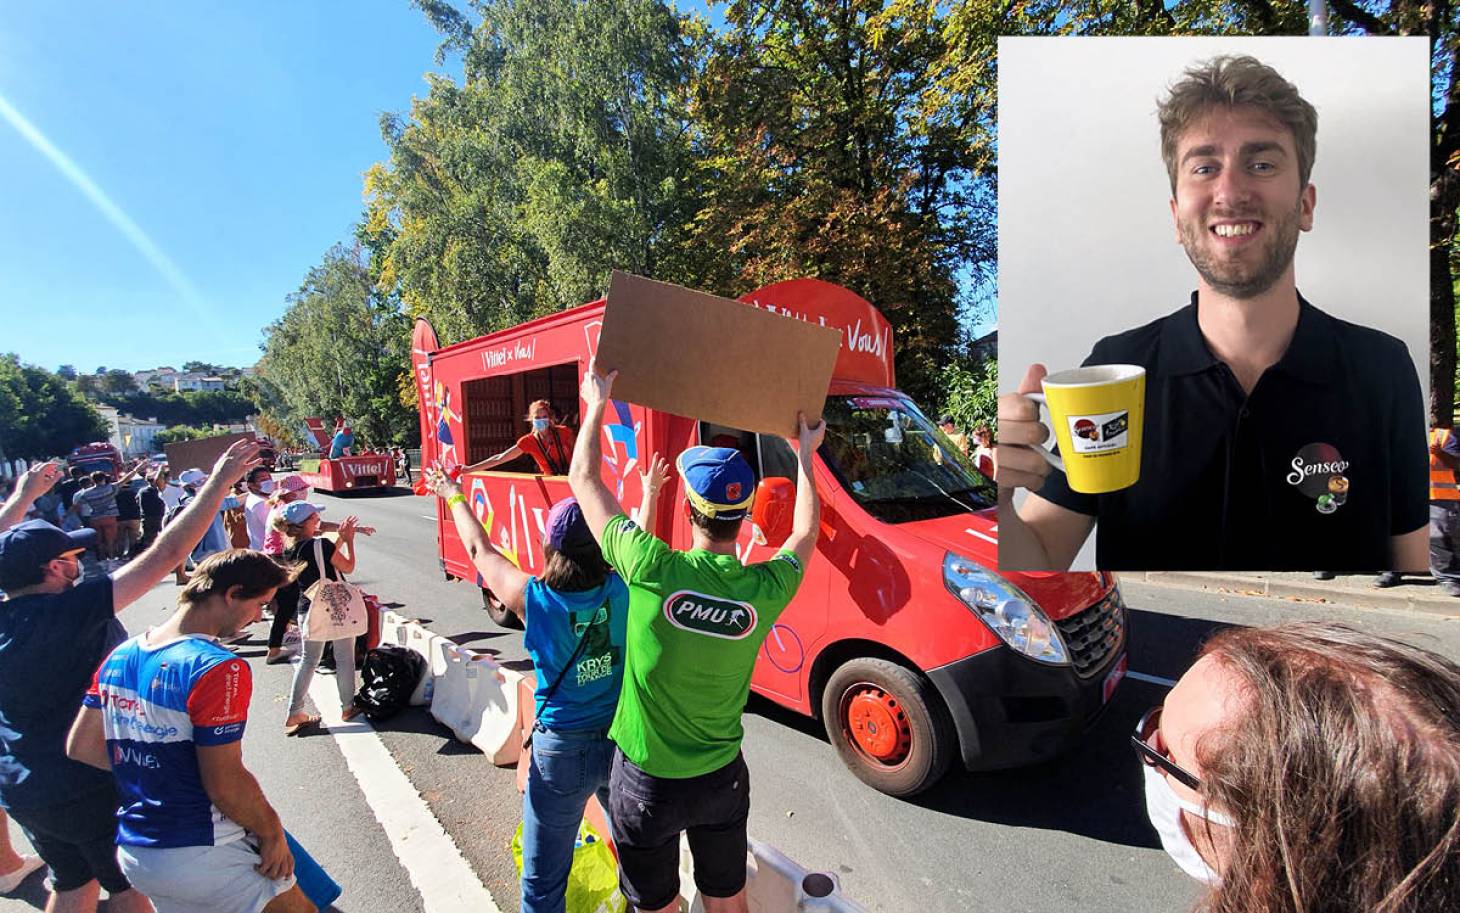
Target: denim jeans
{"x": 568, "y": 766}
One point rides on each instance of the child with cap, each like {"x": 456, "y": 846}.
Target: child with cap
{"x": 300, "y": 524}
{"x": 575, "y": 616}
{"x": 696, "y": 623}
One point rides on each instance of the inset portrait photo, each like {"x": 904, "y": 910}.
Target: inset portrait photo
{"x": 1213, "y": 304}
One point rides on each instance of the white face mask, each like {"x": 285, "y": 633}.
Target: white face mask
{"x": 1164, "y": 808}
{"x": 266, "y": 486}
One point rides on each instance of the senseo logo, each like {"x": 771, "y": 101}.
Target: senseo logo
{"x": 1302, "y": 470}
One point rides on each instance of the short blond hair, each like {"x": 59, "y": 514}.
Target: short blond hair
{"x": 1237, "y": 82}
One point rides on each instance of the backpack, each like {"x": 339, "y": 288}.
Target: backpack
{"x": 176, "y": 509}
{"x": 389, "y": 677}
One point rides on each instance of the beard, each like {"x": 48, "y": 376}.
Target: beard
{"x": 1236, "y": 279}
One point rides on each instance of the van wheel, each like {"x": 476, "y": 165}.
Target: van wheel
{"x": 888, "y": 726}
{"x": 498, "y": 612}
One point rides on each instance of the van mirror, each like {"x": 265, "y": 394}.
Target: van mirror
{"x": 773, "y": 511}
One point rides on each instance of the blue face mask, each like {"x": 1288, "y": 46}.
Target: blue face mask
{"x": 541, "y": 424}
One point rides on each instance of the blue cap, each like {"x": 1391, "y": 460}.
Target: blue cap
{"x": 717, "y": 481}
{"x": 26, "y": 546}
{"x": 296, "y": 512}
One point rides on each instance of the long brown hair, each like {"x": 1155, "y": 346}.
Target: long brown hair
{"x": 1342, "y": 770}
{"x": 573, "y": 572}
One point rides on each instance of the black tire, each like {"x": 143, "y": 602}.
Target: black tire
{"x": 931, "y": 742}
{"x": 503, "y": 616}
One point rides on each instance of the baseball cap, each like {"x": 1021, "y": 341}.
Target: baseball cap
{"x": 567, "y": 531}
{"x": 192, "y": 477}
{"x": 28, "y": 545}
{"x": 299, "y": 511}
{"x": 292, "y": 483}
{"x": 718, "y": 481}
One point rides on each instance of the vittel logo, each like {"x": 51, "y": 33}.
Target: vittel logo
{"x": 710, "y": 615}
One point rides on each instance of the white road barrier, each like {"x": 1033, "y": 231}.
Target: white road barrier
{"x": 402, "y": 632}
{"x": 774, "y": 883}
{"x": 477, "y": 699}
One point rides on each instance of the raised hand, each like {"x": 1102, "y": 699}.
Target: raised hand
{"x": 596, "y": 388}
{"x": 808, "y": 437}
{"x": 439, "y": 483}
{"x": 237, "y": 460}
{"x": 655, "y": 476}
{"x": 38, "y": 479}
{"x": 348, "y": 527}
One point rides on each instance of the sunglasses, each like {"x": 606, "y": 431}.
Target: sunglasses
{"x": 1153, "y": 753}
{"x": 599, "y": 617}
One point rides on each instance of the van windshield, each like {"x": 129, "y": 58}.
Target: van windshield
{"x": 896, "y": 464}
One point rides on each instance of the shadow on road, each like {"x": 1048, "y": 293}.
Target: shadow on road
{"x": 418, "y": 721}
{"x": 1096, "y": 789}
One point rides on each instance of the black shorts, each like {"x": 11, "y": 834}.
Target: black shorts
{"x": 648, "y": 814}
{"x": 77, "y": 839}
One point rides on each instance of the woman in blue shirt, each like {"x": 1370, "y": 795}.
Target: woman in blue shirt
{"x": 576, "y": 618}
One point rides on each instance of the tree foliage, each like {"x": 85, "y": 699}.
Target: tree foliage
{"x": 190, "y": 407}
{"x": 176, "y": 433}
{"x": 971, "y": 396}
{"x": 562, "y": 156}
{"x": 338, "y": 351}
{"x": 41, "y": 416}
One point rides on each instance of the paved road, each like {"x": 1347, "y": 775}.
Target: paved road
{"x": 1067, "y": 835}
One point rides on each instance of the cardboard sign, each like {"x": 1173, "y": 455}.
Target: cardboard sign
{"x": 713, "y": 359}
{"x": 200, "y": 454}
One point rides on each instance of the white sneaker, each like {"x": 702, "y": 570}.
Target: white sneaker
{"x": 11, "y": 880}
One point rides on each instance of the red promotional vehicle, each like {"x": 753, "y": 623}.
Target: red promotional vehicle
{"x": 98, "y": 455}
{"x": 904, "y": 639}
{"x": 352, "y": 473}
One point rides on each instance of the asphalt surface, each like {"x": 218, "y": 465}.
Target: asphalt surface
{"x": 1070, "y": 834}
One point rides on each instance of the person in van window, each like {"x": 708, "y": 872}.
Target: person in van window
{"x": 549, "y": 443}
{"x": 1284, "y": 750}
{"x": 696, "y": 623}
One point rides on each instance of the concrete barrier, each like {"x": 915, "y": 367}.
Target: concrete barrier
{"x": 477, "y": 700}
{"x": 774, "y": 883}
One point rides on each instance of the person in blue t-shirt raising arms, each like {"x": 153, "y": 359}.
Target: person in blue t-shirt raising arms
{"x": 165, "y": 714}
{"x": 55, "y": 629}
{"x": 575, "y": 616}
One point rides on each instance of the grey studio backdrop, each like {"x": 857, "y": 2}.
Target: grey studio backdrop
{"x": 1087, "y": 246}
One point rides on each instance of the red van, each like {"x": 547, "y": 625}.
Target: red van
{"x": 904, "y": 639}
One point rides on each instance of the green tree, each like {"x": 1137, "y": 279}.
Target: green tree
{"x": 832, "y": 146}
{"x": 563, "y": 154}
{"x": 338, "y": 350}
{"x": 116, "y": 381}
{"x": 202, "y": 367}
{"x": 176, "y": 433}
{"x": 66, "y": 372}
{"x": 41, "y": 415}
{"x": 971, "y": 396}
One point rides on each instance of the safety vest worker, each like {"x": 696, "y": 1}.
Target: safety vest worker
{"x": 1443, "y": 486}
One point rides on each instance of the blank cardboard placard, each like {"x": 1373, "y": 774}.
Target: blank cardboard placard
{"x": 713, "y": 359}
{"x": 200, "y": 454}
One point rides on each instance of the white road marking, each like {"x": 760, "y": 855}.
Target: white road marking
{"x": 1151, "y": 679}
{"x": 432, "y": 518}
{"x": 436, "y": 867}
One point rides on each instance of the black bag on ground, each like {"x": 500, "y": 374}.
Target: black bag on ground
{"x": 387, "y": 681}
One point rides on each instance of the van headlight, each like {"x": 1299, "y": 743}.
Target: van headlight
{"x": 1006, "y": 609}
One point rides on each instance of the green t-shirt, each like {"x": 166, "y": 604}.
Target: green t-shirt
{"x": 696, "y": 622}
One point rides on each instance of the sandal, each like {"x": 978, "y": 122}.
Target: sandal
{"x": 296, "y": 728}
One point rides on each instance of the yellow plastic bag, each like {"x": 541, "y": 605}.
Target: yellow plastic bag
{"x": 593, "y": 880}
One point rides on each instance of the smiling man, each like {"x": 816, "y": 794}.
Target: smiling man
{"x": 1276, "y": 436}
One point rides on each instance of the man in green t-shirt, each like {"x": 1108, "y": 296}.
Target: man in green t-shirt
{"x": 696, "y": 623}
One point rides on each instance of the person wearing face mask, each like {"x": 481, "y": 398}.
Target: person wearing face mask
{"x": 260, "y": 484}
{"x": 55, "y": 629}
{"x": 549, "y": 444}
{"x": 1310, "y": 766}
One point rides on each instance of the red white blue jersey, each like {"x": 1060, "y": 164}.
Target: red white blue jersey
{"x": 158, "y": 702}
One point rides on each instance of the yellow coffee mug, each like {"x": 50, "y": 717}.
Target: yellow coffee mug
{"x": 1097, "y": 414}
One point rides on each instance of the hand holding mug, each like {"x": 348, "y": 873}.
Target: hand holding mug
{"x": 1020, "y": 432}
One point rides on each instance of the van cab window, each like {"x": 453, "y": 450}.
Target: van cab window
{"x": 895, "y": 464}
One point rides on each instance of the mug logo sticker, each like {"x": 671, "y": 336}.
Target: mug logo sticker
{"x": 710, "y": 615}
{"x": 1099, "y": 433}
{"x": 1319, "y": 472}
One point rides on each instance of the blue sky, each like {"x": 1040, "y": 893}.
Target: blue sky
{"x": 169, "y": 172}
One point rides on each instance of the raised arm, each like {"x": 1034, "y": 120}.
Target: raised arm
{"x": 651, "y": 480}
{"x": 806, "y": 525}
{"x": 34, "y": 482}
{"x": 127, "y": 476}
{"x": 502, "y": 577}
{"x": 506, "y": 456}
{"x": 181, "y": 535}
{"x": 343, "y": 559}
{"x": 584, "y": 475}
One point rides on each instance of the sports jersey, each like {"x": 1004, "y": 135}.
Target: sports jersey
{"x": 556, "y": 623}
{"x": 158, "y": 702}
{"x": 696, "y": 622}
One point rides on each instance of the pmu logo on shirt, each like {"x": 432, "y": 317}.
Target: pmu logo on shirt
{"x": 710, "y": 615}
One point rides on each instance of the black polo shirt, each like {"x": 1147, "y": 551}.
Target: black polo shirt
{"x": 1243, "y": 482}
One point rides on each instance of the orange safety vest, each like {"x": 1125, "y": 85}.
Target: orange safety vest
{"x": 1443, "y": 486}
{"x": 554, "y": 460}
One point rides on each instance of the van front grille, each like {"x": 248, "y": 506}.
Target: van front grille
{"x": 1094, "y": 634}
